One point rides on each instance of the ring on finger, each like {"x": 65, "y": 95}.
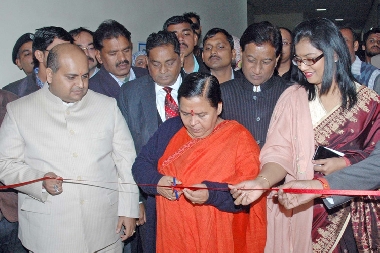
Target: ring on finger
{"x": 56, "y": 188}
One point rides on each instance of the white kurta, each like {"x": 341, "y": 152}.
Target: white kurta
{"x": 89, "y": 140}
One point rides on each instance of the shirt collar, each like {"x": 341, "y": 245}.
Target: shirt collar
{"x": 132, "y": 76}
{"x": 175, "y": 86}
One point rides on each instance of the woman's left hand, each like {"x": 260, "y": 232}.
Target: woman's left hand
{"x": 329, "y": 165}
{"x": 198, "y": 197}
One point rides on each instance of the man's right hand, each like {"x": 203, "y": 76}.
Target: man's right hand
{"x": 54, "y": 185}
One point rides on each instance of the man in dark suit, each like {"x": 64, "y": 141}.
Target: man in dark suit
{"x": 142, "y": 103}
{"x": 114, "y": 51}
{"x": 44, "y": 39}
{"x": 185, "y": 30}
{"x": 218, "y": 54}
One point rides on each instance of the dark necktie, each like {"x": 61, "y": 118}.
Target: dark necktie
{"x": 171, "y": 107}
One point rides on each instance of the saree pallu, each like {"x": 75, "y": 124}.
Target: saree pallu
{"x": 354, "y": 132}
{"x": 229, "y": 155}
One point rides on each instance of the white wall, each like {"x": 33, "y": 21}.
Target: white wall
{"x": 140, "y": 17}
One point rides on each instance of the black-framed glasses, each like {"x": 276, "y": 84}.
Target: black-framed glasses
{"x": 308, "y": 61}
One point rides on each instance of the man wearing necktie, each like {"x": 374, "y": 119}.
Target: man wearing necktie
{"x": 150, "y": 100}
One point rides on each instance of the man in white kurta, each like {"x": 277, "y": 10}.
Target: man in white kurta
{"x": 65, "y": 130}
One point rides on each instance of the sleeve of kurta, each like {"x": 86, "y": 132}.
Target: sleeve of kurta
{"x": 124, "y": 155}
{"x": 13, "y": 168}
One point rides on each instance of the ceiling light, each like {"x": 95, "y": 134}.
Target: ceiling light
{"x": 321, "y": 9}
{"x": 339, "y": 19}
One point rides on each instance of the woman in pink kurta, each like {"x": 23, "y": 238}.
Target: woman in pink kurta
{"x": 326, "y": 87}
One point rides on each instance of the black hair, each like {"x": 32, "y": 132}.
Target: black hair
{"x": 162, "y": 38}
{"x": 214, "y": 31}
{"x": 175, "y": 20}
{"x": 372, "y": 31}
{"x": 201, "y": 85}
{"x": 77, "y": 31}
{"x": 260, "y": 33}
{"x": 45, "y": 36}
{"x": 354, "y": 35}
{"x": 109, "y": 29}
{"x": 325, "y": 36}
{"x": 196, "y": 16}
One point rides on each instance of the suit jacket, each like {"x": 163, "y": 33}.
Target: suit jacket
{"x": 363, "y": 175}
{"x": 8, "y": 198}
{"x": 137, "y": 103}
{"x": 24, "y": 86}
{"x": 86, "y": 141}
{"x": 104, "y": 83}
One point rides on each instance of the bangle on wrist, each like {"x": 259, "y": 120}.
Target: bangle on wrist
{"x": 266, "y": 179}
{"x": 324, "y": 183}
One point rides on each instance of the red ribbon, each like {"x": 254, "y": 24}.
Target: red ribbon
{"x": 180, "y": 187}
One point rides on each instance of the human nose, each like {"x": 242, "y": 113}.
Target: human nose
{"x": 193, "y": 120}
{"x": 81, "y": 82}
{"x": 180, "y": 37}
{"x": 163, "y": 69}
{"x": 121, "y": 57}
{"x": 256, "y": 68}
{"x": 302, "y": 66}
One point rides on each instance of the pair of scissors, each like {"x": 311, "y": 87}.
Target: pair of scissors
{"x": 175, "y": 191}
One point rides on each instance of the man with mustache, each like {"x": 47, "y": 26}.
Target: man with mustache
{"x": 364, "y": 73}
{"x": 185, "y": 31}
{"x": 22, "y": 55}
{"x": 142, "y": 103}
{"x": 113, "y": 46}
{"x": 83, "y": 38}
{"x": 218, "y": 54}
{"x": 371, "y": 44}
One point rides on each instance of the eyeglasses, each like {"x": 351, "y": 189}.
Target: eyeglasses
{"x": 308, "y": 61}
{"x": 88, "y": 48}
{"x": 285, "y": 43}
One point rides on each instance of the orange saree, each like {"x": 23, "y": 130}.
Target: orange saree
{"x": 228, "y": 155}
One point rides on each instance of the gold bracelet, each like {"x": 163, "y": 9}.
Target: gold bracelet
{"x": 265, "y": 179}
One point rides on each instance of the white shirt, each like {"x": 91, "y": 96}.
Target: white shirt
{"x": 160, "y": 96}
{"x": 132, "y": 76}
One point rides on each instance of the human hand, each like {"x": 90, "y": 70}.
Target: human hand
{"x": 329, "y": 165}
{"x": 291, "y": 200}
{"x": 168, "y": 192}
{"x": 246, "y": 197}
{"x": 129, "y": 227}
{"x": 142, "y": 216}
{"x": 54, "y": 185}
{"x": 198, "y": 197}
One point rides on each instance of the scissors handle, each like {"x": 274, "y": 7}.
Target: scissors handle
{"x": 175, "y": 191}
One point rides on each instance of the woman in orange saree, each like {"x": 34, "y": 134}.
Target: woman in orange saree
{"x": 208, "y": 153}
